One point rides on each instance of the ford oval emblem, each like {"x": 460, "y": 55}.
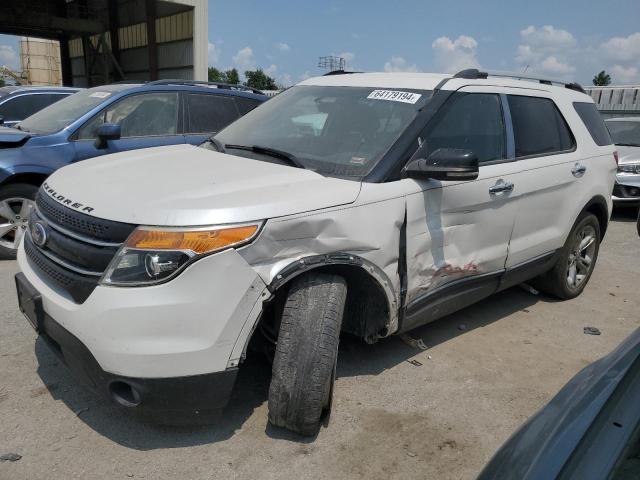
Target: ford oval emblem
{"x": 39, "y": 234}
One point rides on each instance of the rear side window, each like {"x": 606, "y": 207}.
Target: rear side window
{"x": 245, "y": 105}
{"x": 538, "y": 126}
{"x": 23, "y": 106}
{"x": 209, "y": 113}
{"x": 593, "y": 121}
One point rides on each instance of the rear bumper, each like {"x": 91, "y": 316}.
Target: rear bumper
{"x": 158, "y": 398}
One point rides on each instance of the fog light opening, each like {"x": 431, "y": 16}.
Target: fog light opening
{"x": 124, "y": 394}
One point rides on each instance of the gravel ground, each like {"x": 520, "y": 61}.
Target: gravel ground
{"x": 487, "y": 369}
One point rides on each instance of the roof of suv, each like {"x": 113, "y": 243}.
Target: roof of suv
{"x": 429, "y": 81}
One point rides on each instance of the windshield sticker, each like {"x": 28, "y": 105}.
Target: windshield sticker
{"x": 395, "y": 96}
{"x": 100, "y": 94}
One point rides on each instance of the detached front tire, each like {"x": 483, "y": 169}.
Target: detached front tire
{"x": 576, "y": 260}
{"x": 306, "y": 353}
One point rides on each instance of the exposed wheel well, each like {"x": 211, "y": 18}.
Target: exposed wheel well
{"x": 598, "y": 207}
{"x": 366, "y": 311}
{"x": 35, "y": 179}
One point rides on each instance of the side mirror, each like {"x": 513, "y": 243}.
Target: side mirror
{"x": 106, "y": 132}
{"x": 445, "y": 164}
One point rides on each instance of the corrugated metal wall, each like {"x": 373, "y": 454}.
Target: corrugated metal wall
{"x": 174, "y": 39}
{"x": 616, "y": 101}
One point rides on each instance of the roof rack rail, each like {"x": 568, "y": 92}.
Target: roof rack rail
{"x": 221, "y": 85}
{"x": 474, "y": 73}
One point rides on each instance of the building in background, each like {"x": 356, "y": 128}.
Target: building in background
{"x": 616, "y": 100}
{"x": 105, "y": 41}
{"x": 40, "y": 61}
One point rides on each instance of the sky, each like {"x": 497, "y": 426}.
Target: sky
{"x": 561, "y": 39}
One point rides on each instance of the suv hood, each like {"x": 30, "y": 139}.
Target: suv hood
{"x": 628, "y": 154}
{"x": 183, "y": 185}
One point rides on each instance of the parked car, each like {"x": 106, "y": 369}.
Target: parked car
{"x": 589, "y": 430}
{"x": 409, "y": 197}
{"x": 20, "y": 102}
{"x": 102, "y": 120}
{"x": 625, "y": 132}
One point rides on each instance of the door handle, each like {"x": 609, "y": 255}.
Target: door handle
{"x": 578, "y": 170}
{"x": 500, "y": 187}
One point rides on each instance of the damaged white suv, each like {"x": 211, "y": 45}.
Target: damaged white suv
{"x": 362, "y": 203}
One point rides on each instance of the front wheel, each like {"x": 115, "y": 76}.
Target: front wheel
{"x": 306, "y": 352}
{"x": 16, "y": 202}
{"x": 576, "y": 260}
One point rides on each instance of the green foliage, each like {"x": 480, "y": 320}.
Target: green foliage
{"x": 260, "y": 80}
{"x": 602, "y": 79}
{"x": 228, "y": 76}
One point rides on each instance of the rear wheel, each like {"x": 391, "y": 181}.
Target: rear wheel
{"x": 306, "y": 353}
{"x": 576, "y": 261}
{"x": 16, "y": 202}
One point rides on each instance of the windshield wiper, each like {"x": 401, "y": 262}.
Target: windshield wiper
{"x": 272, "y": 152}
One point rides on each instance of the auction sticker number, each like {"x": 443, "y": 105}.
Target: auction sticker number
{"x": 395, "y": 96}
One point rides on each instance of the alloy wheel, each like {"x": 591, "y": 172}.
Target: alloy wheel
{"x": 14, "y": 215}
{"x": 581, "y": 256}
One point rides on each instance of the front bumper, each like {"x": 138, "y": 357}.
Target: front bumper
{"x": 627, "y": 189}
{"x": 161, "y": 399}
{"x": 196, "y": 324}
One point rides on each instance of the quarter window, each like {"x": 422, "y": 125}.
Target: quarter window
{"x": 23, "y": 106}
{"x": 210, "y": 113}
{"x": 138, "y": 116}
{"x": 593, "y": 121}
{"x": 538, "y": 126}
{"x": 473, "y": 121}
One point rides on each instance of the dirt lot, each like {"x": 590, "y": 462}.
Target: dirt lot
{"x": 440, "y": 420}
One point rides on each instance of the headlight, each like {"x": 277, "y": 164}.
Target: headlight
{"x": 153, "y": 255}
{"x": 629, "y": 168}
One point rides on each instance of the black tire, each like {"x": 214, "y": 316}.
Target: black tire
{"x": 306, "y": 353}
{"x": 16, "y": 190}
{"x": 555, "y": 281}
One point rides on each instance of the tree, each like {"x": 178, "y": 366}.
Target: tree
{"x": 602, "y": 79}
{"x": 228, "y": 76}
{"x": 260, "y": 80}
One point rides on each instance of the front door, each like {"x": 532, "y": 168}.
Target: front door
{"x": 145, "y": 119}
{"x": 457, "y": 233}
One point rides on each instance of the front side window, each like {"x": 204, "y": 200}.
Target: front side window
{"x": 470, "y": 121}
{"x": 625, "y": 133}
{"x": 538, "y": 126}
{"x": 140, "y": 115}
{"x": 209, "y": 113}
{"x": 334, "y": 130}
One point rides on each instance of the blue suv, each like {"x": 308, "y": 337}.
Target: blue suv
{"x": 103, "y": 120}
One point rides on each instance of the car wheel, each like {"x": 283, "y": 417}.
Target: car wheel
{"x": 16, "y": 202}
{"x": 306, "y": 353}
{"x": 576, "y": 260}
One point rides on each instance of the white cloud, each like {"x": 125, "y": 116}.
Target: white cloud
{"x": 271, "y": 70}
{"x": 620, "y": 74}
{"x": 304, "y": 76}
{"x": 623, "y": 49}
{"x": 283, "y": 47}
{"x": 285, "y": 80}
{"x": 349, "y": 57}
{"x": 399, "y": 64}
{"x": 8, "y": 56}
{"x": 244, "y": 60}
{"x": 547, "y": 50}
{"x": 455, "y": 55}
{"x": 213, "y": 54}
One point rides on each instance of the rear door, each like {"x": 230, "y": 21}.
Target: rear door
{"x": 548, "y": 181}
{"x": 458, "y": 232}
{"x": 146, "y": 120}
{"x": 206, "y": 114}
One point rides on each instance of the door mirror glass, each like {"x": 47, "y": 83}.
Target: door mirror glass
{"x": 446, "y": 164}
{"x": 106, "y": 132}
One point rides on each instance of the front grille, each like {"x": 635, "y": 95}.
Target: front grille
{"x": 78, "y": 249}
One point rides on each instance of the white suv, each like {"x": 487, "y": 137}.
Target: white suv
{"x": 364, "y": 203}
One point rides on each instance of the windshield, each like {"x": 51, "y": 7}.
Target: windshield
{"x": 625, "y": 133}
{"x": 337, "y": 131}
{"x": 60, "y": 114}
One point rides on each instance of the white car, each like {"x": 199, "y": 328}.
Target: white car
{"x": 411, "y": 196}
{"x": 625, "y": 133}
